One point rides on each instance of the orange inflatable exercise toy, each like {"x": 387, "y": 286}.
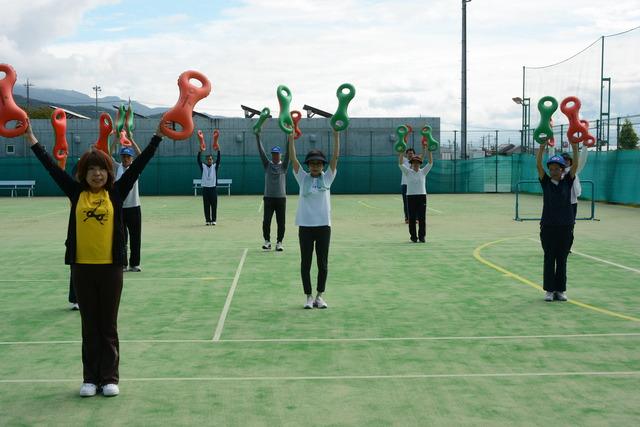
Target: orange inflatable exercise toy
{"x": 216, "y": 135}
{"x": 182, "y": 112}
{"x": 203, "y": 146}
{"x": 576, "y": 133}
{"x": 124, "y": 141}
{"x": 106, "y": 129}
{"x": 61, "y": 147}
{"x": 296, "y": 116}
{"x": 9, "y": 110}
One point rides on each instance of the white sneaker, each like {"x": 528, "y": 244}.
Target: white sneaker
{"x": 213, "y": 223}
{"x": 135, "y": 269}
{"x": 267, "y": 245}
{"x": 74, "y": 306}
{"x": 110, "y": 390}
{"x": 309, "y": 303}
{"x": 88, "y": 390}
{"x": 548, "y": 296}
{"x": 561, "y": 296}
{"x": 319, "y": 302}
{"x": 279, "y": 247}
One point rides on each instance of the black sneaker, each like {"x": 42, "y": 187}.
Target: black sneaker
{"x": 422, "y": 240}
{"x": 414, "y": 240}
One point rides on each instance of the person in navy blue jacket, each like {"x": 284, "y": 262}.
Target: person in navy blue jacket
{"x": 556, "y": 224}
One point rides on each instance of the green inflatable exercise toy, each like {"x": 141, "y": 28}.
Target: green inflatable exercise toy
{"x": 129, "y": 124}
{"x": 401, "y": 146}
{"x": 264, "y": 115}
{"x": 428, "y": 139}
{"x": 121, "y": 116}
{"x": 284, "y": 99}
{"x": 543, "y": 133}
{"x": 340, "y": 120}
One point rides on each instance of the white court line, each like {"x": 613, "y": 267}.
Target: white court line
{"x": 573, "y": 251}
{"x": 329, "y": 340}
{"x": 434, "y": 210}
{"x": 348, "y": 377}
{"x": 366, "y": 205}
{"x": 227, "y": 303}
{"x": 260, "y": 205}
{"x": 132, "y": 279}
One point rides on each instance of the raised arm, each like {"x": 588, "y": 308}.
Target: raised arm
{"x": 217, "y": 161}
{"x": 135, "y": 146}
{"x": 336, "y": 151}
{"x": 199, "y": 159}
{"x": 129, "y": 177}
{"x": 64, "y": 181}
{"x": 583, "y": 158}
{"x": 263, "y": 155}
{"x": 430, "y": 154}
{"x": 576, "y": 160}
{"x": 292, "y": 153}
{"x": 400, "y": 158}
{"x": 541, "y": 172}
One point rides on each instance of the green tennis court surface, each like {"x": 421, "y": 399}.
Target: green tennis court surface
{"x": 453, "y": 332}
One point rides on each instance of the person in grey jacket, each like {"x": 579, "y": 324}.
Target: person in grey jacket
{"x": 275, "y": 192}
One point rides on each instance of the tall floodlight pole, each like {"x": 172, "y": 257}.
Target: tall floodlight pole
{"x": 463, "y": 112}
{"x": 28, "y": 85}
{"x": 97, "y": 89}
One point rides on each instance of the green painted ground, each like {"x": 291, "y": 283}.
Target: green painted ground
{"x": 415, "y": 334}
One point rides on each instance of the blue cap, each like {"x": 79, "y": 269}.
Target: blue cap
{"x": 557, "y": 159}
{"x": 127, "y": 151}
{"x": 276, "y": 149}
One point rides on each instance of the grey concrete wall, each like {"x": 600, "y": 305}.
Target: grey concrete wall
{"x": 367, "y": 137}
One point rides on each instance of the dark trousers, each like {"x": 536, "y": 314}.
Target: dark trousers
{"x": 574, "y": 207}
{"x": 132, "y": 219}
{"x": 417, "y": 206}
{"x": 210, "y": 200}
{"x": 98, "y": 288}
{"x": 404, "y": 201}
{"x": 279, "y": 206}
{"x": 72, "y": 292}
{"x": 556, "y": 243}
{"x": 308, "y": 236}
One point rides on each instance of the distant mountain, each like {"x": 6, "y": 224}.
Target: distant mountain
{"x": 80, "y": 102}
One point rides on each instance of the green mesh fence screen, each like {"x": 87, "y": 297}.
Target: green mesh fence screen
{"x": 615, "y": 175}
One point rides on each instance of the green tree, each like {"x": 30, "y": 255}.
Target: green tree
{"x": 628, "y": 139}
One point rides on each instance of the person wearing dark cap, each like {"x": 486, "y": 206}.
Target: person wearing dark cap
{"x": 275, "y": 193}
{"x": 313, "y": 216}
{"x": 416, "y": 194}
{"x": 556, "y": 224}
{"x": 131, "y": 212}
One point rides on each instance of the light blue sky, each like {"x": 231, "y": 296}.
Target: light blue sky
{"x": 403, "y": 56}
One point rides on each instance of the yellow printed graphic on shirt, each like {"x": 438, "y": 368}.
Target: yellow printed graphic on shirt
{"x": 94, "y": 228}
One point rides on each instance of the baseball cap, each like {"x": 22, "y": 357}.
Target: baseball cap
{"x": 558, "y": 160}
{"x": 276, "y": 149}
{"x": 127, "y": 151}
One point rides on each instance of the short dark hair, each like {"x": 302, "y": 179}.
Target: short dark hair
{"x": 410, "y": 149}
{"x": 99, "y": 158}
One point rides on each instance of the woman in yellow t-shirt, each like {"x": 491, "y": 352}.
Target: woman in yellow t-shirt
{"x": 95, "y": 250}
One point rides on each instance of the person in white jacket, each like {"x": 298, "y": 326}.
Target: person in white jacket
{"x": 576, "y": 189}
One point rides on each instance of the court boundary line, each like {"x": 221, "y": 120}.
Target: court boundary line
{"x": 227, "y": 303}
{"x": 344, "y": 377}
{"x": 367, "y": 205}
{"x": 477, "y": 256}
{"x": 329, "y": 340}
{"x": 134, "y": 279}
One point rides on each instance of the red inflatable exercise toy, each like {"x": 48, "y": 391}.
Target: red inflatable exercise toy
{"x": 296, "y": 116}
{"x": 203, "y": 146}
{"x": 182, "y": 112}
{"x": 124, "y": 141}
{"x": 216, "y": 135}
{"x": 9, "y": 110}
{"x": 106, "y": 129}
{"x": 61, "y": 147}
{"x": 590, "y": 140}
{"x": 406, "y": 136}
{"x": 576, "y": 133}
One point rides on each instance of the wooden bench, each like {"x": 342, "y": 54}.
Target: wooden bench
{"x": 222, "y": 183}
{"x": 14, "y": 186}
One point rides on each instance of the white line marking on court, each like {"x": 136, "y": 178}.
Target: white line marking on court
{"x": 573, "y": 251}
{"x": 347, "y": 377}
{"x": 366, "y": 205}
{"x": 260, "y": 205}
{"x": 132, "y": 279}
{"x": 434, "y": 210}
{"x": 227, "y": 303}
{"x": 329, "y": 340}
